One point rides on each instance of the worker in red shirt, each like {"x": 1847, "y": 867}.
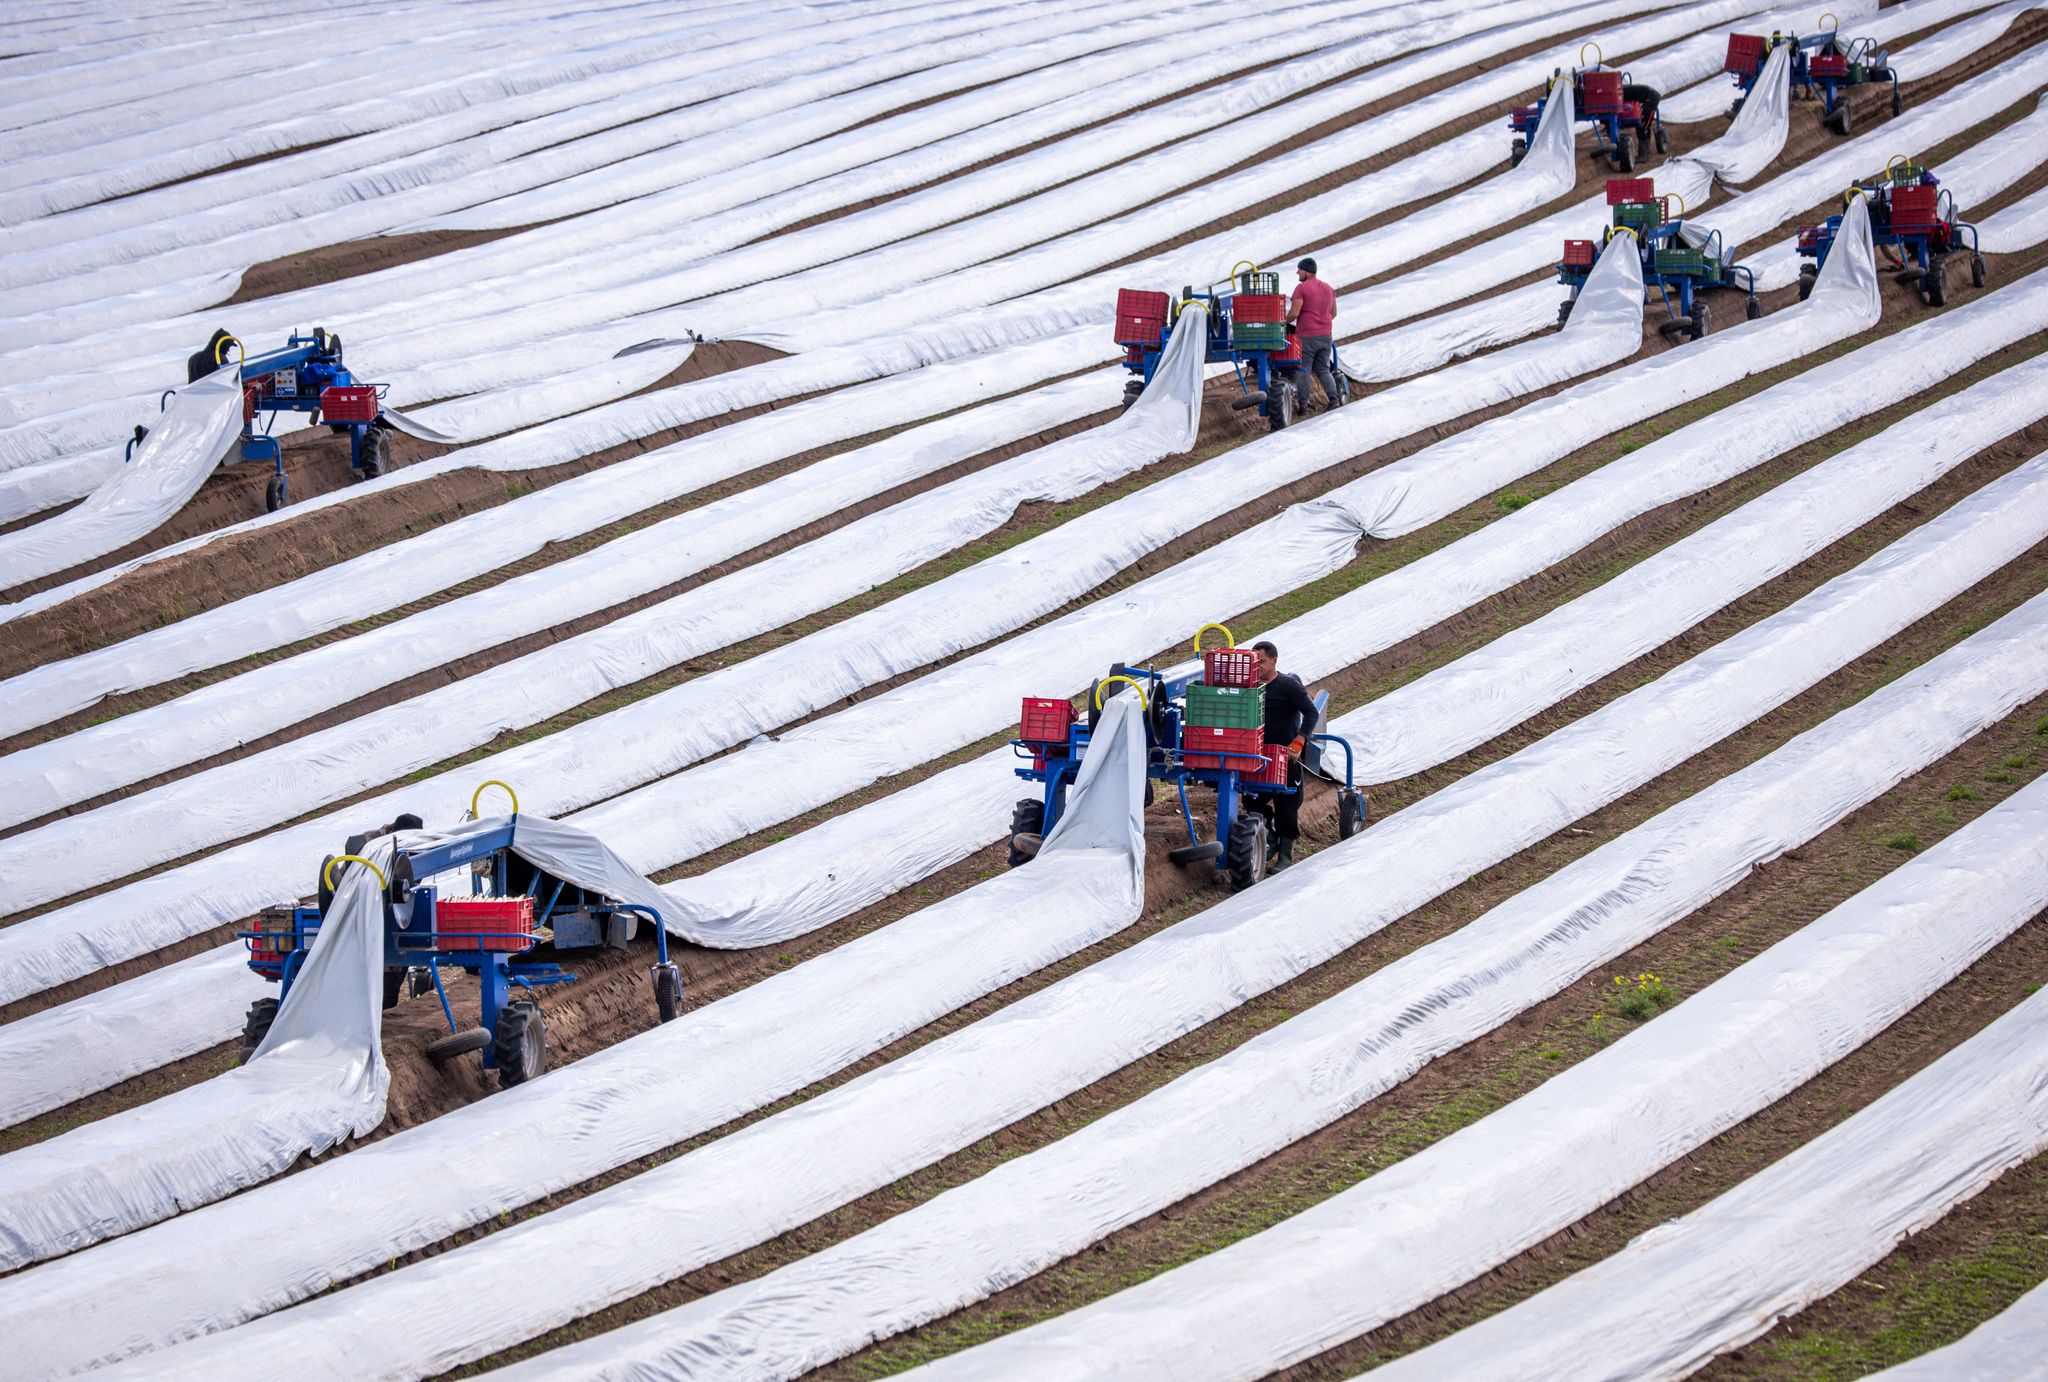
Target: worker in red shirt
{"x": 1312, "y": 315}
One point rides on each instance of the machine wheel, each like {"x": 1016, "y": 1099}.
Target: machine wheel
{"x": 1280, "y": 407}
{"x": 1625, "y": 151}
{"x": 1564, "y": 311}
{"x": 1898, "y": 105}
{"x": 1196, "y": 854}
{"x": 1808, "y": 275}
{"x": 668, "y": 991}
{"x": 520, "y": 1043}
{"x": 1934, "y": 283}
{"x": 1132, "y": 388}
{"x": 256, "y": 1026}
{"x": 1245, "y": 854}
{"x": 376, "y": 453}
{"x": 273, "y": 494}
{"x": 1736, "y": 108}
{"x": 1702, "y": 321}
{"x": 1978, "y": 273}
{"x": 1663, "y": 138}
{"x": 458, "y": 1044}
{"x": 1027, "y": 817}
{"x": 394, "y": 985}
{"x": 1518, "y": 152}
{"x": 1839, "y": 119}
{"x": 1752, "y": 310}
{"x": 1350, "y": 812}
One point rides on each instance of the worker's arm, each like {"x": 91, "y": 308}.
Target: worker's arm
{"x": 1305, "y": 705}
{"x": 1294, "y": 306}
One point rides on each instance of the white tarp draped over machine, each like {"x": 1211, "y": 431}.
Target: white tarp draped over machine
{"x": 742, "y": 1052}
{"x": 186, "y": 441}
{"x": 1477, "y": 1197}
{"x": 1757, "y": 134}
{"x": 775, "y": 1174}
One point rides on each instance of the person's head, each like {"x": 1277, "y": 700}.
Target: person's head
{"x": 1305, "y": 270}
{"x": 408, "y": 821}
{"x": 1269, "y": 660}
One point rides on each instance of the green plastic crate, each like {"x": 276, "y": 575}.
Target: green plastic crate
{"x": 1259, "y": 336}
{"x": 1263, "y": 281}
{"x": 1906, "y": 174}
{"x": 1641, "y": 215}
{"x": 1681, "y": 259}
{"x": 1227, "y": 707}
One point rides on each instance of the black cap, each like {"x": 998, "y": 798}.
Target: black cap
{"x": 1307, "y": 266}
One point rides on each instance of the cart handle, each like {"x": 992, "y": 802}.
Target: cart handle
{"x": 222, "y": 344}
{"x": 327, "y": 874}
{"x": 477, "y": 795}
{"x": 1893, "y": 160}
{"x": 1834, "y": 25}
{"x": 1852, "y": 192}
{"x": 1131, "y": 682}
{"x": 1674, "y": 197}
{"x": 1242, "y": 264}
{"x": 1229, "y": 639}
{"x": 1598, "y": 56}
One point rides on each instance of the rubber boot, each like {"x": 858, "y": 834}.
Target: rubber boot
{"x": 1283, "y": 855}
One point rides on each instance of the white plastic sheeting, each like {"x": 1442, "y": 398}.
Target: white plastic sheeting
{"x": 2020, "y": 226}
{"x": 186, "y": 441}
{"x": 742, "y": 1052}
{"x": 1036, "y": 1209}
{"x": 487, "y": 414}
{"x": 1474, "y": 1199}
{"x": 384, "y": 745}
{"x": 1696, "y": 1287}
{"x": 2009, "y": 1347}
{"x": 1758, "y": 132}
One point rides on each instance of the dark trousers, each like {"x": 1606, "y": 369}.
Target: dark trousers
{"x": 1319, "y": 359}
{"x": 1284, "y": 812}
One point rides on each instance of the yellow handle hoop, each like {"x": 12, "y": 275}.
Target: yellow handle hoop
{"x": 477, "y": 795}
{"x": 327, "y": 874}
{"x": 1834, "y": 25}
{"x": 1229, "y": 640}
{"x": 1131, "y": 682}
{"x": 1242, "y": 264}
{"x": 1675, "y": 197}
{"x": 1629, "y": 231}
{"x": 1850, "y": 194}
{"x": 222, "y": 344}
{"x": 1894, "y": 160}
{"x": 1598, "y": 56}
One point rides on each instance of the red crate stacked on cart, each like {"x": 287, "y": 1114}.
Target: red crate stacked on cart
{"x": 1141, "y": 317}
{"x": 1274, "y": 774}
{"x": 1578, "y": 254}
{"x": 1045, "y": 720}
{"x": 1913, "y": 208}
{"x": 1230, "y": 667}
{"x": 1745, "y": 54}
{"x": 497, "y": 923}
{"x": 349, "y": 403}
{"x": 1833, "y": 66}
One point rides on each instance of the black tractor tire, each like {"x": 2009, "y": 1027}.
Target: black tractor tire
{"x": 1662, "y": 138}
{"x": 1244, "y": 854}
{"x": 1808, "y": 276}
{"x": 1564, "y": 311}
{"x": 1702, "y": 320}
{"x": 1350, "y": 812}
{"x": 1841, "y": 117}
{"x": 376, "y": 453}
{"x": 273, "y": 494}
{"x": 1280, "y": 407}
{"x": 1979, "y": 274}
{"x": 458, "y": 1044}
{"x": 1934, "y": 286}
{"x": 1518, "y": 151}
{"x": 1736, "y": 108}
{"x": 256, "y": 1026}
{"x": 1752, "y": 309}
{"x": 1203, "y": 853}
{"x": 394, "y": 985}
{"x": 668, "y": 991}
{"x": 1625, "y": 151}
{"x": 1133, "y": 388}
{"x": 1027, "y": 817}
{"x": 520, "y": 1043}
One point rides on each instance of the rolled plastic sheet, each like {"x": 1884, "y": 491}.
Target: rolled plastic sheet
{"x": 2008, "y": 1347}
{"x": 317, "y": 1079}
{"x": 1474, "y": 1199}
{"x": 1440, "y": 715}
{"x": 483, "y": 415}
{"x": 2020, "y": 226}
{"x": 1045, "y": 1205}
{"x": 744, "y": 1051}
{"x": 1699, "y": 1286}
{"x": 197, "y": 427}
{"x": 965, "y": 700}
{"x": 1757, "y": 133}
{"x": 384, "y": 745}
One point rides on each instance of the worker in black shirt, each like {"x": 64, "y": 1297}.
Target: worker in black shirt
{"x": 1290, "y": 719}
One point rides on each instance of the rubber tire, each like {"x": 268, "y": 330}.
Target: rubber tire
{"x": 1244, "y": 854}
{"x": 1842, "y": 119}
{"x": 1702, "y": 321}
{"x": 1934, "y": 284}
{"x": 1280, "y": 407}
{"x": 520, "y": 1043}
{"x": 1735, "y": 109}
{"x": 1662, "y": 138}
{"x": 376, "y": 453}
{"x": 1979, "y": 274}
{"x": 1625, "y": 152}
{"x": 1898, "y": 105}
{"x": 1564, "y": 312}
{"x": 1808, "y": 276}
{"x": 273, "y": 494}
{"x": 1132, "y": 389}
{"x": 1027, "y": 817}
{"x": 256, "y": 1026}
{"x": 394, "y": 985}
{"x": 1205, "y": 852}
{"x": 1752, "y": 310}
{"x": 1350, "y": 812}
{"x": 458, "y": 1044}
{"x": 1518, "y": 152}
{"x": 668, "y": 991}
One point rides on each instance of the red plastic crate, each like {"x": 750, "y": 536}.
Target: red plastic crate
{"x": 1809, "y": 237}
{"x": 249, "y": 402}
{"x": 1292, "y": 351}
{"x": 1601, "y": 92}
{"x": 1913, "y": 208}
{"x": 1275, "y": 771}
{"x": 1578, "y": 254}
{"x": 1635, "y": 190}
{"x": 1202, "y": 745}
{"x": 1745, "y": 54}
{"x": 1630, "y": 112}
{"x": 1258, "y": 307}
{"x": 1136, "y": 302}
{"x": 1140, "y": 331}
{"x": 1231, "y": 666}
{"x": 349, "y": 403}
{"x": 499, "y": 923}
{"x": 1045, "y": 720}
{"x": 1522, "y": 115}
{"x": 1834, "y": 65}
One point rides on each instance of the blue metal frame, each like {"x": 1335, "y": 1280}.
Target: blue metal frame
{"x": 1676, "y": 286}
{"x": 1607, "y": 125}
{"x": 1867, "y": 65}
{"x": 315, "y": 364}
{"x": 1919, "y": 246}
{"x": 1256, "y": 367}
